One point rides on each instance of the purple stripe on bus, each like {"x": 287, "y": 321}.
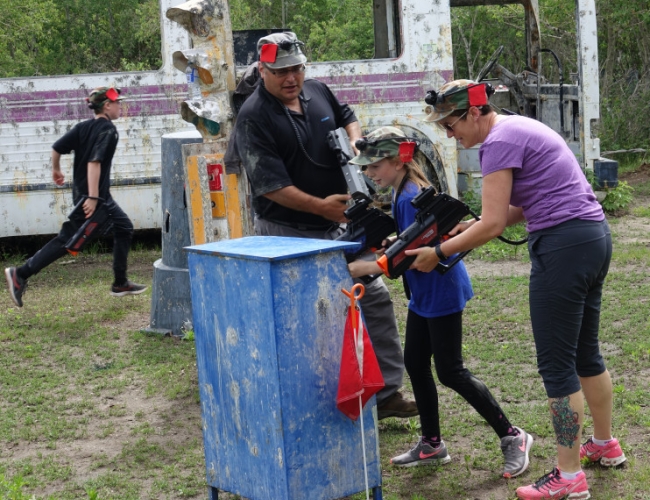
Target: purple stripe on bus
{"x": 154, "y": 100}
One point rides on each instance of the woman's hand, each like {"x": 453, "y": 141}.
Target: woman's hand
{"x": 426, "y": 259}
{"x": 461, "y": 226}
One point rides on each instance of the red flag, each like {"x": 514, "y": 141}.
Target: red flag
{"x": 359, "y": 376}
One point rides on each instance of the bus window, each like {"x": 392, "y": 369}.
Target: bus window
{"x": 338, "y": 30}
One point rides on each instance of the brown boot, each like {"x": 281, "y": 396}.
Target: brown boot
{"x": 396, "y": 406}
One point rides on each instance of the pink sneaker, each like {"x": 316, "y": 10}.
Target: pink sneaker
{"x": 554, "y": 486}
{"x": 609, "y": 455}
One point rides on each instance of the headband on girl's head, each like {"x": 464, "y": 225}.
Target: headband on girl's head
{"x": 406, "y": 150}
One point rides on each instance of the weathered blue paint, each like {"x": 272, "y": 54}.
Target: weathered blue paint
{"x": 268, "y": 317}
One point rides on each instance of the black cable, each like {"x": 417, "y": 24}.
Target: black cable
{"x": 502, "y": 238}
{"x": 302, "y": 147}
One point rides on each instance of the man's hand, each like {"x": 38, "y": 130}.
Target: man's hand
{"x": 330, "y": 208}
{"x": 333, "y": 206}
{"x": 89, "y": 207}
{"x": 354, "y": 132}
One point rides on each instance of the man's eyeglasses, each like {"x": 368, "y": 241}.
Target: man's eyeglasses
{"x": 281, "y": 73}
{"x": 449, "y": 127}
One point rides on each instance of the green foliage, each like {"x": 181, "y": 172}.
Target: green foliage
{"x": 13, "y": 490}
{"x": 618, "y": 199}
{"x": 53, "y": 37}
{"x": 623, "y": 38}
{"x": 57, "y": 37}
{"x": 478, "y": 31}
{"x": 473, "y": 201}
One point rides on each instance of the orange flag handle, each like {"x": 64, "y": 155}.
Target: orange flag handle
{"x": 355, "y": 293}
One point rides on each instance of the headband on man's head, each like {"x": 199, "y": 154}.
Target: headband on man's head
{"x": 281, "y": 50}
{"x": 269, "y": 51}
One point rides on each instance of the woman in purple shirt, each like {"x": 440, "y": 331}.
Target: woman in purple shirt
{"x": 530, "y": 174}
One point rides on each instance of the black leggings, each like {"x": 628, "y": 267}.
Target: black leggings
{"x": 55, "y": 248}
{"x": 442, "y": 338}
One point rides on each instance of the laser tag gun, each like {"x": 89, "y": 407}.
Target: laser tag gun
{"x": 339, "y": 142}
{"x": 368, "y": 225}
{"x": 437, "y": 215}
{"x": 96, "y": 225}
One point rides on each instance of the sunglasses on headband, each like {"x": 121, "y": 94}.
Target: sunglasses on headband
{"x": 269, "y": 51}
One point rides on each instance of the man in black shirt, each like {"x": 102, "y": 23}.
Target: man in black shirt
{"x": 298, "y": 185}
{"x": 93, "y": 142}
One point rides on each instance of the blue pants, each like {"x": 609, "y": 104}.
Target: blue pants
{"x": 569, "y": 265}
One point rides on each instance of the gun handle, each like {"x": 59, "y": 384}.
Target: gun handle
{"x": 443, "y": 268}
{"x": 369, "y": 278}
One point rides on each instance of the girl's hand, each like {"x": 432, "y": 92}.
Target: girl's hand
{"x": 426, "y": 259}
{"x": 384, "y": 245}
{"x": 363, "y": 268}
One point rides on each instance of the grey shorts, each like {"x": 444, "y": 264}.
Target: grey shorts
{"x": 569, "y": 265}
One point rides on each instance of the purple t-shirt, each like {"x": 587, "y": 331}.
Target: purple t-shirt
{"x": 547, "y": 180}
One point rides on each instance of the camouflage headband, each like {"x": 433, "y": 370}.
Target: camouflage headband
{"x": 385, "y": 142}
{"x": 456, "y": 95}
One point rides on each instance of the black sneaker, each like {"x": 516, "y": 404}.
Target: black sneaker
{"x": 128, "y": 288}
{"x": 16, "y": 285}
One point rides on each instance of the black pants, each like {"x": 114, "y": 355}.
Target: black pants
{"x": 442, "y": 337}
{"x": 55, "y": 248}
{"x": 569, "y": 264}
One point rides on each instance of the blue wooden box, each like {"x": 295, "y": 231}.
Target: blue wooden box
{"x": 268, "y": 316}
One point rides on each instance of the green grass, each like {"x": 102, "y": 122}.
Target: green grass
{"x": 92, "y": 408}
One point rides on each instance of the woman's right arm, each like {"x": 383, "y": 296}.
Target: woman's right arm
{"x": 496, "y": 215}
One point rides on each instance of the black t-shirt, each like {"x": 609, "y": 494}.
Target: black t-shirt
{"x": 91, "y": 140}
{"x": 271, "y": 154}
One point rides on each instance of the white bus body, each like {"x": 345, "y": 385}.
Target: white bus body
{"x": 388, "y": 90}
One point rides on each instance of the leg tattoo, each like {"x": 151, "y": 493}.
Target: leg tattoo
{"x": 565, "y": 422}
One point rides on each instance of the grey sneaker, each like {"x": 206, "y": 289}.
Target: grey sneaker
{"x": 423, "y": 453}
{"x": 515, "y": 451}
{"x": 128, "y": 288}
{"x": 16, "y": 285}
